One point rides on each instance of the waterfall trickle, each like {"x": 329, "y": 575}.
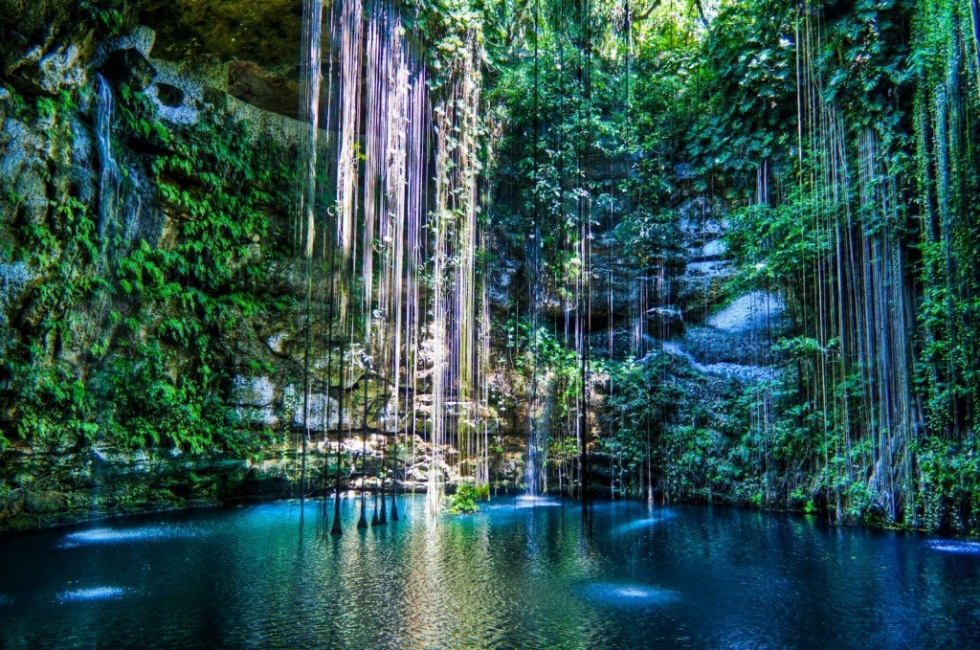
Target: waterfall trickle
{"x": 109, "y": 175}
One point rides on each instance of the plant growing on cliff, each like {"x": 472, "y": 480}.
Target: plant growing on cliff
{"x": 220, "y": 189}
{"x": 106, "y": 17}
{"x": 153, "y": 327}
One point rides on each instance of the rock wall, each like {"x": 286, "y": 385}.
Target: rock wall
{"x": 191, "y": 70}
{"x": 91, "y": 115}
{"x": 44, "y": 486}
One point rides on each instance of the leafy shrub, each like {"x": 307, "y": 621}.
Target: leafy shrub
{"x": 464, "y": 500}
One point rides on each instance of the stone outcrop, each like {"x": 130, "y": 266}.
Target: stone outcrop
{"x": 251, "y": 83}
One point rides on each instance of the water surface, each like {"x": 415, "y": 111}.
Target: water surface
{"x": 522, "y": 573}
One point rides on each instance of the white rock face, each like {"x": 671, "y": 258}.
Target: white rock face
{"x": 753, "y": 311}
{"x": 744, "y": 373}
{"x": 714, "y": 248}
{"x": 252, "y": 391}
{"x": 141, "y": 40}
{"x": 192, "y": 93}
{"x": 275, "y": 342}
{"x": 254, "y": 397}
{"x": 320, "y": 404}
{"x": 61, "y": 69}
{"x": 23, "y": 165}
{"x": 324, "y": 410}
{"x": 709, "y": 269}
{"x": 13, "y": 278}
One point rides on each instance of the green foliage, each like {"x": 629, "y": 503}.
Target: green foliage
{"x": 448, "y": 29}
{"x": 841, "y": 137}
{"x": 748, "y": 91}
{"x": 842, "y": 134}
{"x": 463, "y": 501}
{"x": 61, "y": 251}
{"x": 580, "y": 101}
{"x": 640, "y": 403}
{"x": 873, "y": 37}
{"x": 219, "y": 188}
{"x": 536, "y": 347}
{"x": 153, "y": 328}
{"x": 108, "y": 17}
{"x": 949, "y": 493}
{"x": 52, "y": 403}
{"x": 54, "y": 406}
{"x": 539, "y": 355}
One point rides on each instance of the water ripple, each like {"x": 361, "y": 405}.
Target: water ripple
{"x": 508, "y": 577}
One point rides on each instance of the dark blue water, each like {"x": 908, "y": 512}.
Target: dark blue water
{"x": 520, "y": 574}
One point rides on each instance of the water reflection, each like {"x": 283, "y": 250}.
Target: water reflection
{"x": 509, "y": 576}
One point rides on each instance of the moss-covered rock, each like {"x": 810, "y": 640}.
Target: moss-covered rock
{"x": 266, "y": 32}
{"x": 30, "y": 17}
{"x": 43, "y": 502}
{"x": 21, "y": 522}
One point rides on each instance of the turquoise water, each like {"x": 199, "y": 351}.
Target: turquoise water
{"x": 522, "y": 573}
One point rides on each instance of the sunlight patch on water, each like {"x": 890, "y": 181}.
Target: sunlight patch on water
{"x": 90, "y": 594}
{"x": 950, "y": 546}
{"x": 630, "y": 594}
{"x": 641, "y": 524}
{"x": 122, "y": 536}
{"x": 528, "y": 501}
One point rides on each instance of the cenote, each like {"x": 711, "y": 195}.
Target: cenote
{"x": 717, "y": 255}
{"x": 519, "y": 574}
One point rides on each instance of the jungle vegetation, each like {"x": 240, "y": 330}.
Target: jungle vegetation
{"x": 560, "y": 140}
